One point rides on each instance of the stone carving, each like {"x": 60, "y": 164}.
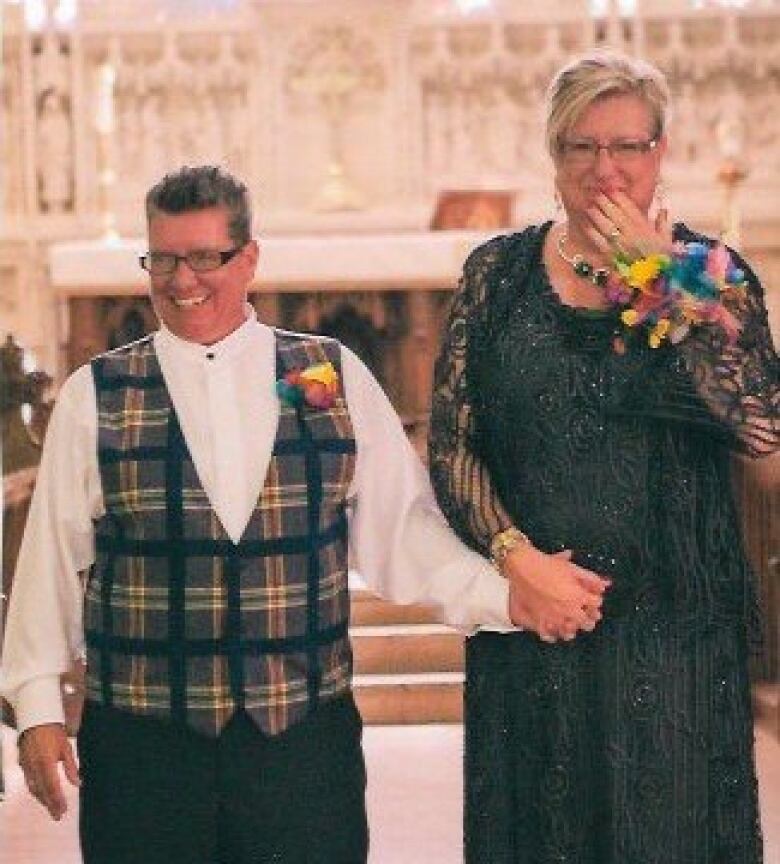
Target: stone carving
{"x": 51, "y": 62}
{"x": 174, "y": 108}
{"x": 479, "y": 126}
{"x": 481, "y": 96}
{"x": 230, "y": 78}
{"x": 11, "y": 134}
{"x": 234, "y": 121}
{"x": 730, "y": 123}
{"x": 686, "y": 126}
{"x": 9, "y": 280}
{"x": 131, "y": 131}
{"x": 460, "y": 97}
{"x": 152, "y": 144}
{"x": 53, "y": 127}
{"x": 332, "y": 69}
{"x": 764, "y": 130}
{"x": 55, "y": 153}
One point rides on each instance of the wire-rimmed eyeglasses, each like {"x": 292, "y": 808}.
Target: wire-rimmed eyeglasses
{"x": 624, "y": 151}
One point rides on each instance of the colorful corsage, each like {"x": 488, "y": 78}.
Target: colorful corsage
{"x": 316, "y": 386}
{"x": 668, "y": 294}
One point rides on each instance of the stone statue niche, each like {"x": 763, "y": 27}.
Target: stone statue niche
{"x": 54, "y": 141}
{"x": 53, "y": 126}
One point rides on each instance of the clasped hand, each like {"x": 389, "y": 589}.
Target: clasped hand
{"x": 552, "y": 596}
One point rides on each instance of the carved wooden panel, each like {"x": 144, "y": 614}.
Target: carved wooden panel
{"x": 395, "y": 333}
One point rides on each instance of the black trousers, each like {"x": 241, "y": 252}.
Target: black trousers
{"x": 157, "y": 794}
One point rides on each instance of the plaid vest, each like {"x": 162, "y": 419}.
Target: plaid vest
{"x": 180, "y": 621}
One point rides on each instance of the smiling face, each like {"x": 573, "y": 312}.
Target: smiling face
{"x": 201, "y": 307}
{"x": 608, "y": 119}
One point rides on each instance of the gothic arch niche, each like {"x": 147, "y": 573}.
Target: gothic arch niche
{"x": 356, "y": 320}
{"x": 128, "y": 321}
{"x": 359, "y": 334}
{"x": 98, "y": 324}
{"x": 53, "y": 127}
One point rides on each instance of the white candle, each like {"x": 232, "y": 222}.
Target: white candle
{"x": 104, "y": 109}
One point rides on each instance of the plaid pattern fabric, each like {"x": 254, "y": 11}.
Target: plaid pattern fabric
{"x": 180, "y": 621}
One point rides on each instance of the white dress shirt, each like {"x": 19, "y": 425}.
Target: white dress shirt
{"x": 225, "y": 398}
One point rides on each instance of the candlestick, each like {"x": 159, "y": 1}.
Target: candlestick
{"x": 104, "y": 127}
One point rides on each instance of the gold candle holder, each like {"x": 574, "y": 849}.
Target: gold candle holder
{"x": 731, "y": 174}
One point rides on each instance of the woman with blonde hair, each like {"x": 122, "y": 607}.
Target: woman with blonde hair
{"x": 597, "y": 373}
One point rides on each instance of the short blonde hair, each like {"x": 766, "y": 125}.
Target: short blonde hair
{"x": 595, "y": 76}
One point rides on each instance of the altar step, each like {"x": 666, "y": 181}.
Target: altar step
{"x": 408, "y": 669}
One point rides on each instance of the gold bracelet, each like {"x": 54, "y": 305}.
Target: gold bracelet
{"x": 504, "y": 542}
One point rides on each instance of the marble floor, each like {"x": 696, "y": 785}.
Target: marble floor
{"x": 414, "y": 801}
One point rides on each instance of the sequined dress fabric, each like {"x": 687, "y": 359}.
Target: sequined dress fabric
{"x": 634, "y": 744}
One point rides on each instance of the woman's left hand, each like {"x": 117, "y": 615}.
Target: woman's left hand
{"x": 619, "y": 226}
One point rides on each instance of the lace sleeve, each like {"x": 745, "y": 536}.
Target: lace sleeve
{"x": 460, "y": 477}
{"x": 739, "y": 382}
{"x": 730, "y": 390}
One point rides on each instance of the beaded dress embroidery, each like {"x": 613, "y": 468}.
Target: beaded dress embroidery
{"x": 633, "y": 744}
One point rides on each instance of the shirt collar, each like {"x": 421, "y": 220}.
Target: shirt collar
{"x": 220, "y": 352}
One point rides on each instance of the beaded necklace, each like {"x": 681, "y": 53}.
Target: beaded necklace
{"x": 598, "y": 276}
{"x": 583, "y": 268}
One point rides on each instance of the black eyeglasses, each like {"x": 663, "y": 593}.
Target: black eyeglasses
{"x": 624, "y": 151}
{"x": 199, "y": 260}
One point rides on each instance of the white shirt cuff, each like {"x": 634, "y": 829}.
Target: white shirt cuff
{"x": 489, "y": 606}
{"x": 37, "y": 702}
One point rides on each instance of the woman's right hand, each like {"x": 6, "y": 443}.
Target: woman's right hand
{"x": 551, "y": 595}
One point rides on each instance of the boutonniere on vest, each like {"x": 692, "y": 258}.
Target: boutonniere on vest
{"x": 316, "y": 386}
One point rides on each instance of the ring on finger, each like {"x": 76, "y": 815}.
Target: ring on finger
{"x": 614, "y": 234}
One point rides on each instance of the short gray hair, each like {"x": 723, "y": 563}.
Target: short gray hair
{"x": 595, "y": 76}
{"x": 199, "y": 187}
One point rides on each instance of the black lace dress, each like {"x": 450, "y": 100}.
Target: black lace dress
{"x": 634, "y": 744}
